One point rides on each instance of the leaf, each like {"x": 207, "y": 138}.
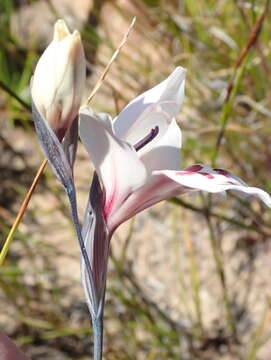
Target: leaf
{"x": 53, "y": 150}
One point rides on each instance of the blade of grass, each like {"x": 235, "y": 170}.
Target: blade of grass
{"x": 227, "y": 108}
{"x": 219, "y": 264}
{"x": 258, "y": 334}
{"x": 21, "y": 212}
{"x": 15, "y": 96}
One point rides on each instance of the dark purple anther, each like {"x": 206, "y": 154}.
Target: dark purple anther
{"x": 147, "y": 139}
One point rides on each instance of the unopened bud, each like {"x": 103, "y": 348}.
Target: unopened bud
{"x": 59, "y": 79}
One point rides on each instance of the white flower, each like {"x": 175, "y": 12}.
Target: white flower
{"x": 59, "y": 79}
{"x": 137, "y": 156}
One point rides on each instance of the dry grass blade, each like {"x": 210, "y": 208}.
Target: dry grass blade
{"x": 113, "y": 58}
{"x": 236, "y": 79}
{"x": 253, "y": 36}
{"x": 21, "y": 212}
{"x": 252, "y": 39}
{"x": 10, "y": 92}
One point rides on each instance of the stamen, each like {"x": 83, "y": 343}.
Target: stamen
{"x": 147, "y": 139}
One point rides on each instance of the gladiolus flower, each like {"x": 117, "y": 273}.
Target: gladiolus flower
{"x": 59, "y": 79}
{"x": 137, "y": 156}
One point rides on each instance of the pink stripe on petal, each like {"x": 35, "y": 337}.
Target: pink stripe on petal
{"x": 209, "y": 176}
{"x": 187, "y": 172}
{"x": 223, "y": 172}
{"x": 184, "y": 172}
{"x": 110, "y": 202}
{"x": 195, "y": 168}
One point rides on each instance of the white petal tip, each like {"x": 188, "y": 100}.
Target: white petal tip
{"x": 180, "y": 71}
{"x": 61, "y": 30}
{"x": 265, "y": 197}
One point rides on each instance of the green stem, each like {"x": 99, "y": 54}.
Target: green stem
{"x": 227, "y": 109}
{"x": 97, "y": 324}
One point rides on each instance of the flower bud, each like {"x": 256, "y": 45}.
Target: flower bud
{"x": 59, "y": 79}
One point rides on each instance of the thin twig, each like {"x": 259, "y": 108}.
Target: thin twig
{"x": 113, "y": 58}
{"x": 253, "y": 36}
{"x": 211, "y": 213}
{"x": 21, "y": 212}
{"x": 264, "y": 64}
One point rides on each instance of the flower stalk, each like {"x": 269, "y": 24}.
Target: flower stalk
{"x": 97, "y": 325}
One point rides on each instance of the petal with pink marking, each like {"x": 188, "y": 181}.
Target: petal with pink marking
{"x": 155, "y": 107}
{"x": 201, "y": 177}
{"x": 158, "y": 187}
{"x": 116, "y": 162}
{"x": 165, "y": 184}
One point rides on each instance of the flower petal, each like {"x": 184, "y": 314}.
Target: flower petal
{"x": 163, "y": 185}
{"x": 155, "y": 107}
{"x": 116, "y": 162}
{"x": 201, "y": 177}
{"x": 59, "y": 79}
{"x": 165, "y": 154}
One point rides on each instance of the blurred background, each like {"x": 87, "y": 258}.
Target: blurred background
{"x": 189, "y": 278}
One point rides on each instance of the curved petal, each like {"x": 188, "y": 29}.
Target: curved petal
{"x": 165, "y": 154}
{"x": 158, "y": 187}
{"x": 165, "y": 184}
{"x": 201, "y": 177}
{"x": 157, "y": 106}
{"x": 116, "y": 162}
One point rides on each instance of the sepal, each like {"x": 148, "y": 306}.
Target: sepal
{"x": 96, "y": 239}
